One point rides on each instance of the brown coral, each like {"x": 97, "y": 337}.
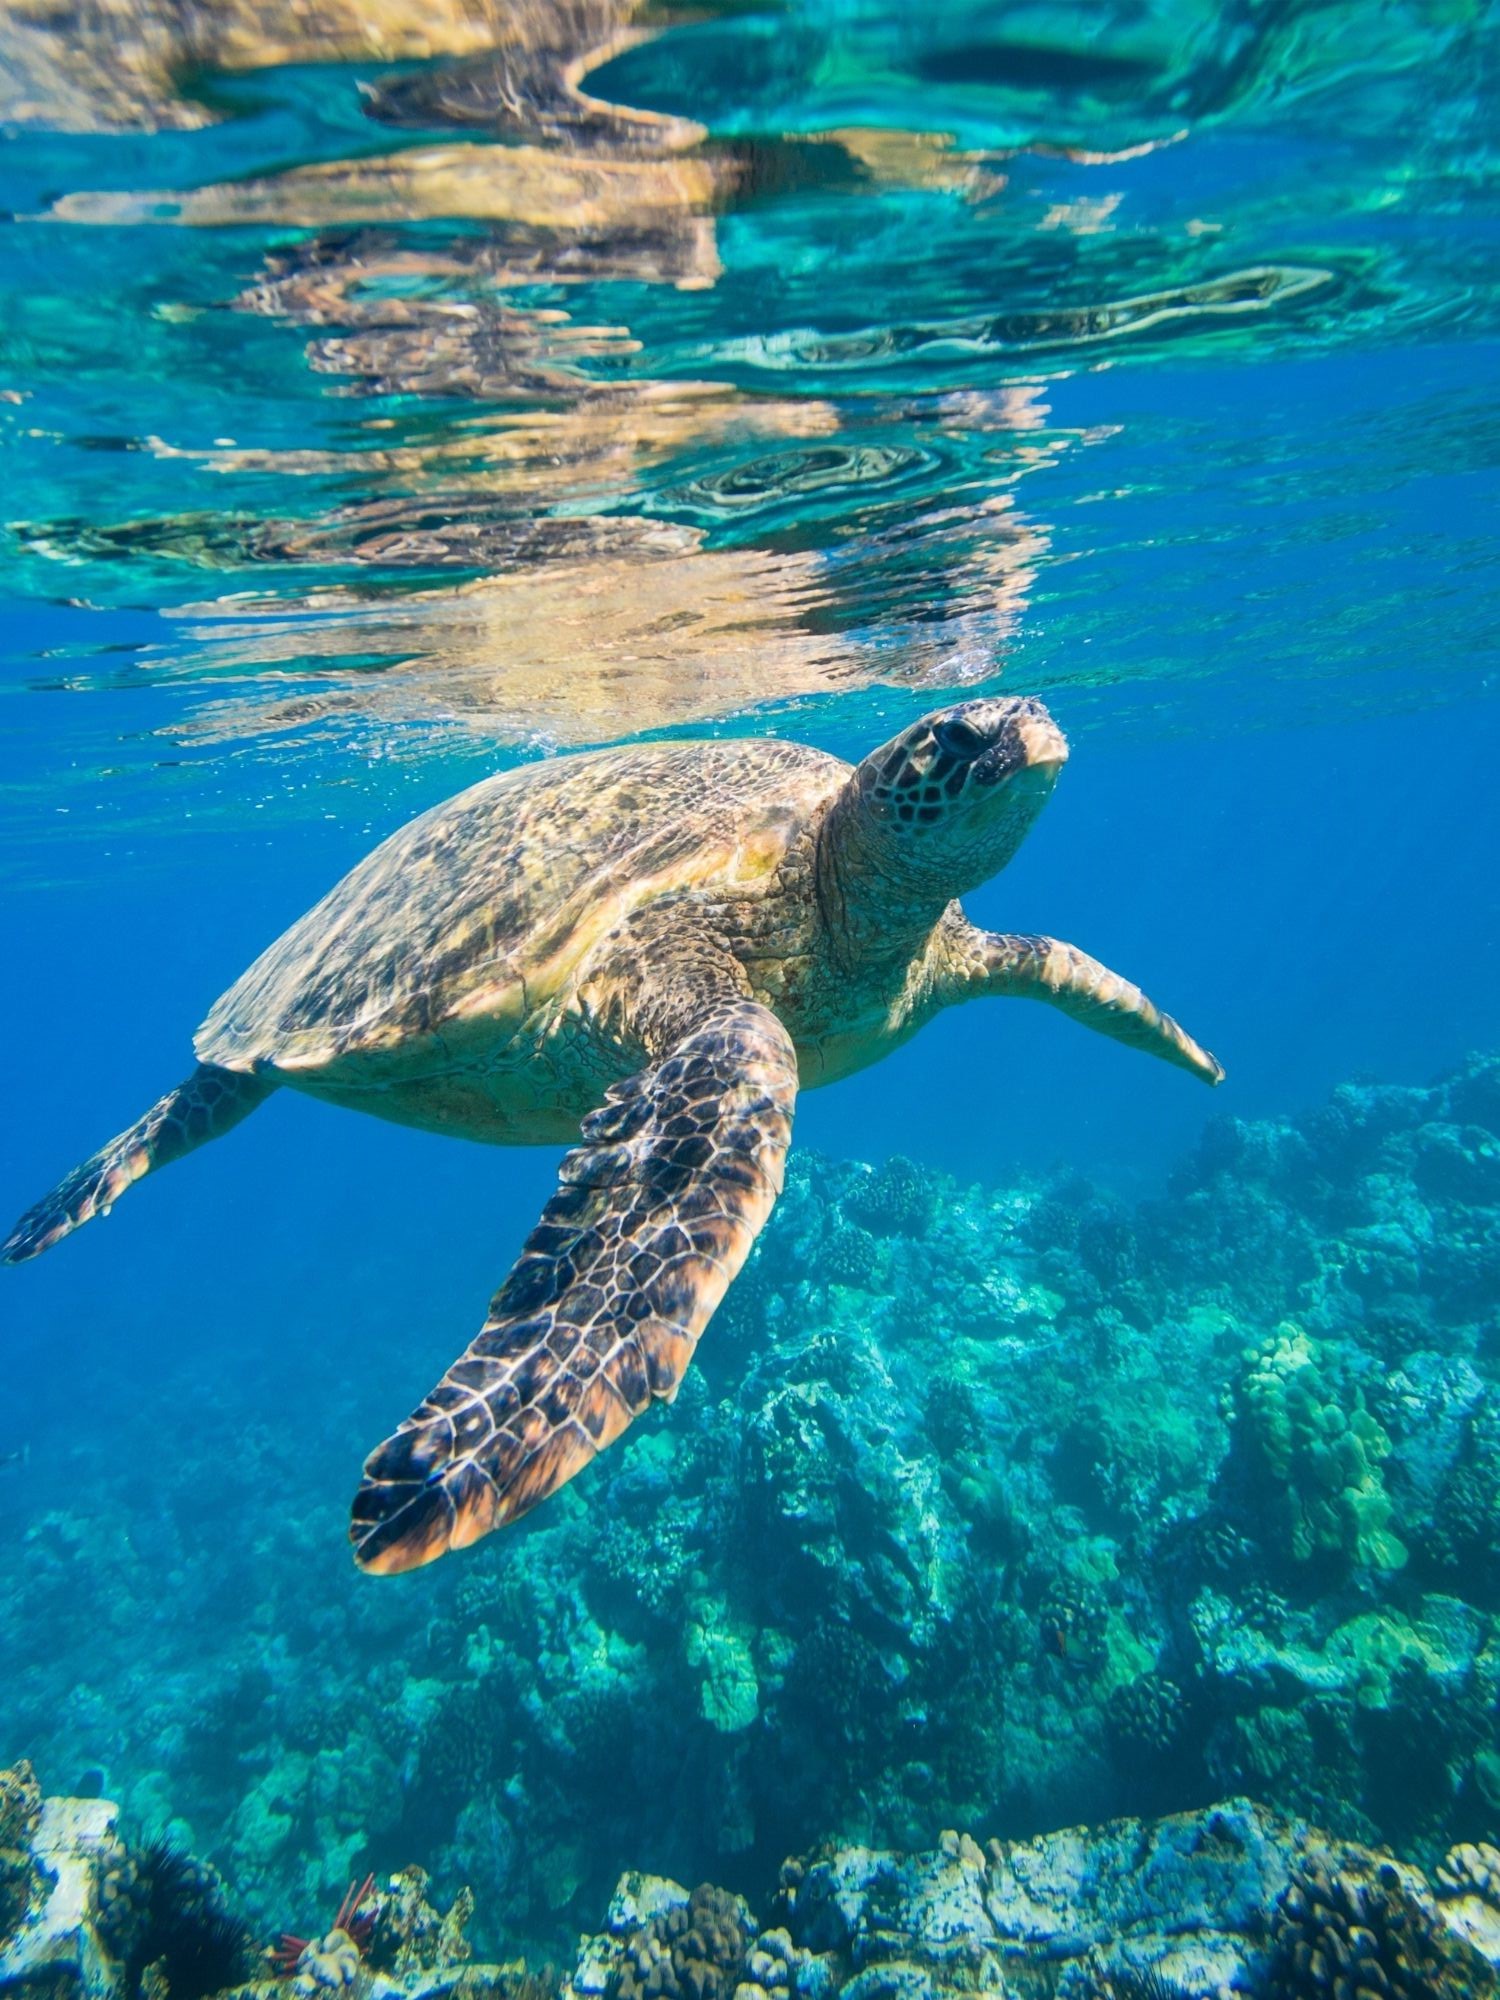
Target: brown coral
{"x": 1340, "y": 1933}
{"x": 1072, "y": 1619}
{"x": 694, "y": 1951}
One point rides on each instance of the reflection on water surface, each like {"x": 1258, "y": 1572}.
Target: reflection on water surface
{"x": 544, "y": 373}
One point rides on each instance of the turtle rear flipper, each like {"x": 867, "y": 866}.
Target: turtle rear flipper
{"x": 208, "y": 1103}
{"x": 653, "y": 1216}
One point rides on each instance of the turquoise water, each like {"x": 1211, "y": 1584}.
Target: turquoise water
{"x": 372, "y": 427}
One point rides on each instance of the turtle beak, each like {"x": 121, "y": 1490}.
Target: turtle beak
{"x": 1043, "y": 744}
{"x": 1031, "y": 742}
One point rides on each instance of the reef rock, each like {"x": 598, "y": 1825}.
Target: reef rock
{"x": 50, "y": 1870}
{"x": 21, "y": 1885}
{"x": 85, "y": 1916}
{"x": 1226, "y": 1899}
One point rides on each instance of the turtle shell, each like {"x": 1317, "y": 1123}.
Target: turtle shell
{"x": 479, "y": 911}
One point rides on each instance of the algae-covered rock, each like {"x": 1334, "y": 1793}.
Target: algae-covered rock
{"x": 729, "y": 1692}
{"x": 1203, "y": 1903}
{"x": 874, "y": 1907}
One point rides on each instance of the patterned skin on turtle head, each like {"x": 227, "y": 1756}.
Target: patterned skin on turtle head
{"x": 958, "y": 791}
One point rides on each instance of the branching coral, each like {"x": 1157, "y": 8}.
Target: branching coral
{"x": 1072, "y": 1620}
{"x": 849, "y": 1258}
{"x": 1146, "y": 1715}
{"x": 1461, "y": 1536}
{"x": 648, "y": 1564}
{"x": 459, "y": 1744}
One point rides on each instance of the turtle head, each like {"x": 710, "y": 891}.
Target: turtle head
{"x": 943, "y": 806}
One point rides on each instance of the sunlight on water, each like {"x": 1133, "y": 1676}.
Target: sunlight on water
{"x": 396, "y": 394}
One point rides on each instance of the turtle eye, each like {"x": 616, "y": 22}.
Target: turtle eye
{"x": 959, "y": 738}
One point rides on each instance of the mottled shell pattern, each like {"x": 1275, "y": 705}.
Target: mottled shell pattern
{"x": 481, "y": 910}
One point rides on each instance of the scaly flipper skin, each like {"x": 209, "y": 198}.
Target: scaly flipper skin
{"x": 654, "y": 1214}
{"x": 208, "y": 1104}
{"x": 1043, "y": 968}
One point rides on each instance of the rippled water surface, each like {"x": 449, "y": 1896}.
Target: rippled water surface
{"x": 639, "y": 373}
{"x": 391, "y": 394}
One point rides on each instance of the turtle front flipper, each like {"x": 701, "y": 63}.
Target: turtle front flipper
{"x": 1044, "y": 968}
{"x": 206, "y": 1105}
{"x": 653, "y": 1215}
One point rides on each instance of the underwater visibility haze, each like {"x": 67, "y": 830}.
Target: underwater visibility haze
{"x": 644, "y": 413}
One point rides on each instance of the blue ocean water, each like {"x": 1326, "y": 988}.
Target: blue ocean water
{"x": 379, "y": 414}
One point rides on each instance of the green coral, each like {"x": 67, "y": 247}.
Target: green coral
{"x": 1323, "y": 1448}
{"x": 1364, "y": 1657}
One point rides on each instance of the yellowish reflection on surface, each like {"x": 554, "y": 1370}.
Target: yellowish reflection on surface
{"x": 579, "y": 650}
{"x": 120, "y": 63}
{"x": 588, "y": 607}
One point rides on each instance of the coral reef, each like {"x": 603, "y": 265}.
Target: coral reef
{"x": 1228, "y": 1898}
{"x": 1002, "y": 1507}
{"x": 149, "y": 1922}
{"x": 20, "y": 1812}
{"x": 1232, "y": 1898}
{"x": 408, "y": 1935}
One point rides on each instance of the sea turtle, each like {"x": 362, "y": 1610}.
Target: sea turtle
{"x": 664, "y": 941}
